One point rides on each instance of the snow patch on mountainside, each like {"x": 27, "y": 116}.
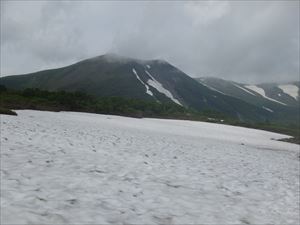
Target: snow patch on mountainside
{"x": 244, "y": 89}
{"x": 261, "y": 92}
{"x": 147, "y": 87}
{"x": 211, "y": 88}
{"x": 81, "y": 168}
{"x": 266, "y": 108}
{"x": 158, "y": 86}
{"x": 291, "y": 90}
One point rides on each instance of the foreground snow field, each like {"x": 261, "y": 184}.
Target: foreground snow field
{"x": 68, "y": 168}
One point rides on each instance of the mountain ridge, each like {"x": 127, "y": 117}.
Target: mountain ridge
{"x": 285, "y": 93}
{"x": 157, "y": 80}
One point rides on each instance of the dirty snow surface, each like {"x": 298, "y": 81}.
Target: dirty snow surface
{"x": 80, "y": 168}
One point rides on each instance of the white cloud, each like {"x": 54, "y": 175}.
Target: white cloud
{"x": 205, "y": 12}
{"x": 240, "y": 40}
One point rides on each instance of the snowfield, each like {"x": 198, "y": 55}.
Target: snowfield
{"x": 158, "y": 86}
{"x": 291, "y": 90}
{"x": 142, "y": 82}
{"x": 80, "y": 168}
{"x": 261, "y": 92}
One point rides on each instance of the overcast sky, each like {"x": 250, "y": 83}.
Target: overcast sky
{"x": 247, "y": 41}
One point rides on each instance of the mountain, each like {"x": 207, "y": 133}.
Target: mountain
{"x": 281, "y": 99}
{"x": 114, "y": 75}
{"x": 284, "y": 94}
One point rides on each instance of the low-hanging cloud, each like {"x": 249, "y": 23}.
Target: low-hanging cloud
{"x": 240, "y": 40}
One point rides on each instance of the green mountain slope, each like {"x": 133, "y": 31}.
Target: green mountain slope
{"x": 157, "y": 80}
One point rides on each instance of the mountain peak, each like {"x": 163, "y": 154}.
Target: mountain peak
{"x": 116, "y": 58}
{"x": 111, "y": 57}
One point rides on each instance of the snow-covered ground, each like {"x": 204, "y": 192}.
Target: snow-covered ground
{"x": 68, "y": 168}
